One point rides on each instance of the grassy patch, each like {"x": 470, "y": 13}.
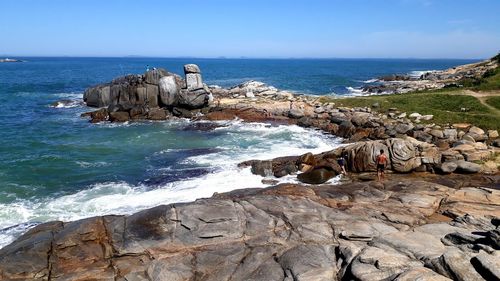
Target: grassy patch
{"x": 445, "y": 106}
{"x": 494, "y": 101}
{"x": 489, "y": 81}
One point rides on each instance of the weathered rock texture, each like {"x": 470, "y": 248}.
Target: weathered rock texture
{"x": 404, "y": 155}
{"x": 455, "y": 148}
{"x": 134, "y": 96}
{"x": 361, "y": 231}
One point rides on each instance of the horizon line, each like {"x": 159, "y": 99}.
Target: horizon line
{"x": 238, "y": 57}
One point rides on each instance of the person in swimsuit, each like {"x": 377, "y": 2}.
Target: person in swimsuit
{"x": 342, "y": 161}
{"x": 381, "y": 164}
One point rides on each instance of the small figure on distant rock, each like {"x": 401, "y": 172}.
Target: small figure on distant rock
{"x": 342, "y": 161}
{"x": 147, "y": 67}
{"x": 291, "y": 104}
{"x": 381, "y": 164}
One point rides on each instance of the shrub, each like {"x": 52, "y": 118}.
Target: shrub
{"x": 497, "y": 58}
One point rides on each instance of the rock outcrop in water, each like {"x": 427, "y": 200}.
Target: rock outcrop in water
{"x": 363, "y": 231}
{"x": 10, "y": 60}
{"x": 153, "y": 95}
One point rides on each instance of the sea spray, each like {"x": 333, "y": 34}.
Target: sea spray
{"x": 243, "y": 141}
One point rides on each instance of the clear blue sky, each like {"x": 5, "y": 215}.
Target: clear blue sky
{"x": 253, "y": 28}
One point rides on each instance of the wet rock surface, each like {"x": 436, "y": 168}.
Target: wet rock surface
{"x": 395, "y": 230}
{"x": 437, "y": 218}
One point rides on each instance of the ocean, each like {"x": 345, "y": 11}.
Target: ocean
{"x": 55, "y": 165}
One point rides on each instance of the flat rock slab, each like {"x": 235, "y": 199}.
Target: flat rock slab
{"x": 365, "y": 231}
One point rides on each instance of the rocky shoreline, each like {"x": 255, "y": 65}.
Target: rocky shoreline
{"x": 395, "y": 230}
{"x": 432, "y": 80}
{"x": 412, "y": 145}
{"x": 436, "y": 218}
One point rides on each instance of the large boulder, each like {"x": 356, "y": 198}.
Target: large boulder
{"x": 318, "y": 175}
{"x": 169, "y": 90}
{"x": 97, "y": 96}
{"x": 157, "y": 114}
{"x": 296, "y": 113}
{"x": 467, "y": 167}
{"x": 154, "y": 76}
{"x": 447, "y": 167}
{"x": 403, "y": 155}
{"x": 403, "y": 128}
{"x": 99, "y": 115}
{"x": 119, "y": 116}
{"x": 362, "y": 155}
{"x": 155, "y": 88}
{"x": 262, "y": 168}
{"x": 191, "y": 68}
{"x": 193, "y": 99}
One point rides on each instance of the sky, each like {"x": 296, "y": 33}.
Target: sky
{"x": 468, "y": 29}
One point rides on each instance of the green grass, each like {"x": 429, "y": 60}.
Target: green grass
{"x": 494, "y": 101}
{"x": 490, "y": 81}
{"x": 445, "y": 105}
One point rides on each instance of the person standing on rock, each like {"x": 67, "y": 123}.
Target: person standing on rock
{"x": 342, "y": 161}
{"x": 381, "y": 164}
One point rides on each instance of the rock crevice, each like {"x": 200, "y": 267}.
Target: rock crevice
{"x": 365, "y": 231}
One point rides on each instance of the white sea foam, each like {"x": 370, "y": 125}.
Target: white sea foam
{"x": 419, "y": 73}
{"x": 75, "y": 96}
{"x": 264, "y": 141}
{"x": 85, "y": 164}
{"x": 67, "y": 104}
{"x": 356, "y": 91}
{"x": 370, "y": 81}
{"x": 70, "y": 100}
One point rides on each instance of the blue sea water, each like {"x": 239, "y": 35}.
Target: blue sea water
{"x": 56, "y": 165}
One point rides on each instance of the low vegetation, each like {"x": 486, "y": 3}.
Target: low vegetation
{"x": 489, "y": 81}
{"x": 494, "y": 101}
{"x": 447, "y": 106}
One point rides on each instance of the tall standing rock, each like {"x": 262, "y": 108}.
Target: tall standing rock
{"x": 193, "y": 77}
{"x": 152, "y": 95}
{"x": 196, "y": 94}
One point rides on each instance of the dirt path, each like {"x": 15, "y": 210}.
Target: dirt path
{"x": 482, "y": 97}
